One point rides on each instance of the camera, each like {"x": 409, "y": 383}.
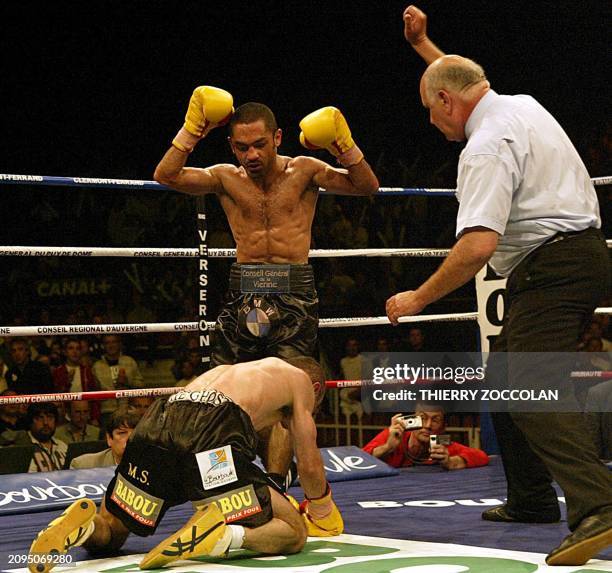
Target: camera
{"x": 442, "y": 439}
{"x": 411, "y": 422}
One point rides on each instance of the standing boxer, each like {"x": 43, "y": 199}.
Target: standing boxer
{"x": 269, "y": 200}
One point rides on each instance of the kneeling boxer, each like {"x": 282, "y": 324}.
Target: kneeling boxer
{"x": 199, "y": 445}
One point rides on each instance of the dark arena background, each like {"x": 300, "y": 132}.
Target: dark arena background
{"x": 98, "y": 89}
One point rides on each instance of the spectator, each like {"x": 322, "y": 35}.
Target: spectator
{"x": 382, "y": 358}
{"x": 598, "y": 358}
{"x": 139, "y": 405}
{"x": 416, "y": 340}
{"x": 11, "y": 415}
{"x": 187, "y": 373}
{"x": 78, "y": 429}
{"x": 50, "y": 452}
{"x": 74, "y": 376}
{"x": 27, "y": 376}
{"x": 195, "y": 357}
{"x": 12, "y": 421}
{"x": 3, "y": 370}
{"x": 351, "y": 366}
{"x": 399, "y": 447}
{"x": 115, "y": 371}
{"x": 55, "y": 355}
{"x": 87, "y": 359}
{"x": 595, "y": 329}
{"x": 119, "y": 429}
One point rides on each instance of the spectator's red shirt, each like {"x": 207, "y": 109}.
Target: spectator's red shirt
{"x": 61, "y": 382}
{"x": 399, "y": 456}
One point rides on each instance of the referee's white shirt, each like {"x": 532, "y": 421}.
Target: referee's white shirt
{"x": 520, "y": 176}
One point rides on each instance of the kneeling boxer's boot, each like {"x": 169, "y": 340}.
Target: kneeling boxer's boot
{"x": 70, "y": 529}
{"x": 204, "y": 534}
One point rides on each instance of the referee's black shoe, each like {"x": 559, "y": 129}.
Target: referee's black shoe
{"x": 590, "y": 537}
{"x": 503, "y": 514}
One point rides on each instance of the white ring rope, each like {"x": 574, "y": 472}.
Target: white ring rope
{"x": 150, "y": 327}
{"x": 68, "y": 329}
{"x": 11, "y": 251}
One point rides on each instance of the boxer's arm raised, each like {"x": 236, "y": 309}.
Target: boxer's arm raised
{"x": 356, "y": 180}
{"x": 209, "y": 107}
{"x": 415, "y": 32}
{"x": 171, "y": 171}
{"x": 327, "y": 128}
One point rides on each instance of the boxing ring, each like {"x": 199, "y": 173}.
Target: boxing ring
{"x": 423, "y": 520}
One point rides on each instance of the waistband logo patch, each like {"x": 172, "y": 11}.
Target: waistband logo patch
{"x": 265, "y": 278}
{"x": 217, "y": 467}
{"x": 141, "y": 506}
{"x": 212, "y": 397}
{"x": 235, "y": 504}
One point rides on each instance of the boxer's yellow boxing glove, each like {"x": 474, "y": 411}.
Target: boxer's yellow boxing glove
{"x": 327, "y": 128}
{"x": 322, "y": 517}
{"x": 209, "y": 107}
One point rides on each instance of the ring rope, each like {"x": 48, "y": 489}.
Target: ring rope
{"x": 126, "y": 328}
{"x": 155, "y": 392}
{"x": 342, "y": 322}
{"x": 72, "y": 329}
{"x": 94, "y": 182}
{"x": 17, "y": 251}
{"x": 96, "y": 395}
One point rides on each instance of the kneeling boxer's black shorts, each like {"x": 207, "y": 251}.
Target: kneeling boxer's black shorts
{"x": 195, "y": 446}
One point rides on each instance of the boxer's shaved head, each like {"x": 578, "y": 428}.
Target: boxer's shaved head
{"x": 311, "y": 367}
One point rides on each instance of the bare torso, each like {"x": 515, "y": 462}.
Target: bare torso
{"x": 271, "y": 222}
{"x": 264, "y": 389}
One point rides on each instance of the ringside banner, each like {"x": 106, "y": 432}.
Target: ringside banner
{"x": 25, "y": 493}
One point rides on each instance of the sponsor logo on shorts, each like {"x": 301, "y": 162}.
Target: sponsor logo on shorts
{"x": 257, "y": 317}
{"x": 212, "y": 397}
{"x": 217, "y": 467}
{"x": 141, "y": 506}
{"x": 235, "y": 504}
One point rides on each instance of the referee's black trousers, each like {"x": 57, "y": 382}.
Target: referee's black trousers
{"x": 551, "y": 297}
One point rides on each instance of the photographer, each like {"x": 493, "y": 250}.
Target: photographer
{"x": 400, "y": 447}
